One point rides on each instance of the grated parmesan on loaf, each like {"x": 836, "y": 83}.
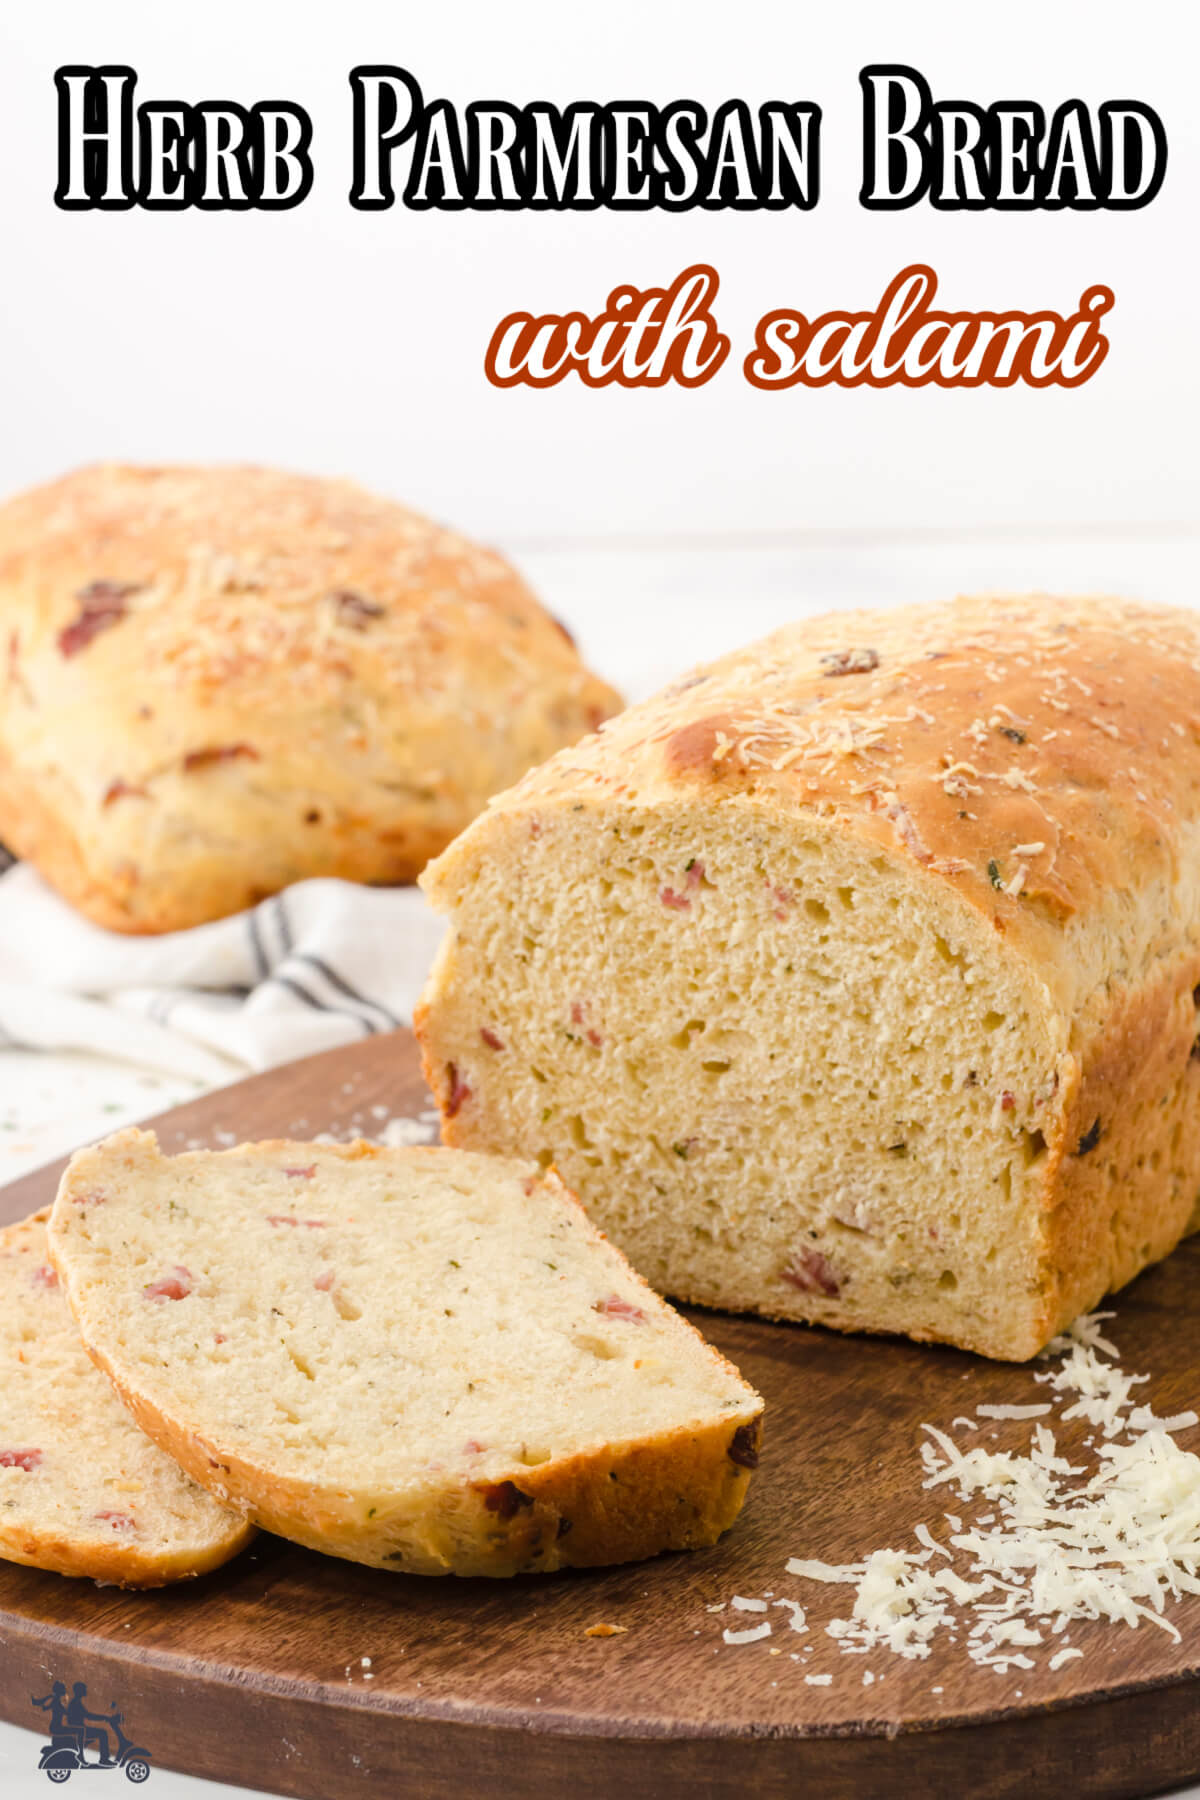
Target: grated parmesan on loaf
{"x": 1053, "y": 1541}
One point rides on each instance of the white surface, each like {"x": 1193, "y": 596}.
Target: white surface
{"x": 643, "y": 615}
{"x": 20, "y": 1778}
{"x": 347, "y": 341}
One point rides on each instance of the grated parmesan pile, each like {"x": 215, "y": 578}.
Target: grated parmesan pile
{"x": 1051, "y": 1542}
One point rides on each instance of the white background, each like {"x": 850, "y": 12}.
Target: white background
{"x": 354, "y": 342}
{"x": 663, "y": 526}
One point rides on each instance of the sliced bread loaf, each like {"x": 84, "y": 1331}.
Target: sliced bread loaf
{"x": 854, "y": 978}
{"x": 426, "y": 1360}
{"x": 82, "y": 1490}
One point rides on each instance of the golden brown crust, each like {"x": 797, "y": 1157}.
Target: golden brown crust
{"x": 112, "y": 1567}
{"x": 1037, "y": 753}
{"x": 677, "y": 1491}
{"x": 1125, "y": 1169}
{"x": 218, "y": 681}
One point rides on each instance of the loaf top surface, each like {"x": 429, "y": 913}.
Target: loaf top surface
{"x": 371, "y": 1320}
{"x": 1041, "y": 754}
{"x": 226, "y": 578}
{"x": 219, "y": 681}
{"x": 82, "y": 1490}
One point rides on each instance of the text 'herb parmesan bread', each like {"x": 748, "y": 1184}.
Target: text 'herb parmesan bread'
{"x": 217, "y": 681}
{"x": 82, "y": 1490}
{"x": 854, "y": 978}
{"x": 420, "y": 1359}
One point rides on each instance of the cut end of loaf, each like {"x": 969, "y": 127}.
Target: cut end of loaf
{"x": 788, "y": 1072}
{"x": 426, "y": 1360}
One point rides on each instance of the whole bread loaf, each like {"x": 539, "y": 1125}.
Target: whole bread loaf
{"x": 82, "y": 1490}
{"x": 419, "y": 1359}
{"x": 855, "y": 977}
{"x": 218, "y": 681}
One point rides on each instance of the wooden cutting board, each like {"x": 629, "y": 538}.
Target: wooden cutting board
{"x": 254, "y": 1675}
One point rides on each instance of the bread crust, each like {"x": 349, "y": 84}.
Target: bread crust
{"x": 218, "y": 681}
{"x": 972, "y": 730}
{"x": 1125, "y": 1165}
{"x": 60, "y": 1555}
{"x": 673, "y": 1490}
{"x": 117, "y": 1563}
{"x": 560, "y": 1516}
{"x": 1038, "y": 760}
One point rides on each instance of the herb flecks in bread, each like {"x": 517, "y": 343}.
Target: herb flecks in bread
{"x": 82, "y": 1490}
{"x": 219, "y": 681}
{"x": 420, "y": 1359}
{"x": 887, "y": 929}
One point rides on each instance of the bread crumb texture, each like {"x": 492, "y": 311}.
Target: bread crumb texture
{"x": 426, "y": 1360}
{"x": 82, "y": 1490}
{"x": 218, "y": 681}
{"x": 855, "y": 977}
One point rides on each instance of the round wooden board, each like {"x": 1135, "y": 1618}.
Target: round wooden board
{"x": 254, "y": 1675}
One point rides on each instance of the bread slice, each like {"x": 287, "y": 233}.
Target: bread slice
{"x": 425, "y": 1360}
{"x": 856, "y": 977}
{"x": 82, "y": 1490}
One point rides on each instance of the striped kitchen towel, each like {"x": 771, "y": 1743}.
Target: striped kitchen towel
{"x": 321, "y": 964}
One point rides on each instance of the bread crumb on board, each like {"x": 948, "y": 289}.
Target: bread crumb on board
{"x": 376, "y": 1126}
{"x": 398, "y": 1132}
{"x": 605, "y": 1630}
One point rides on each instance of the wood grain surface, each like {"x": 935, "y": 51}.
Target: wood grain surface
{"x": 254, "y": 1675}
